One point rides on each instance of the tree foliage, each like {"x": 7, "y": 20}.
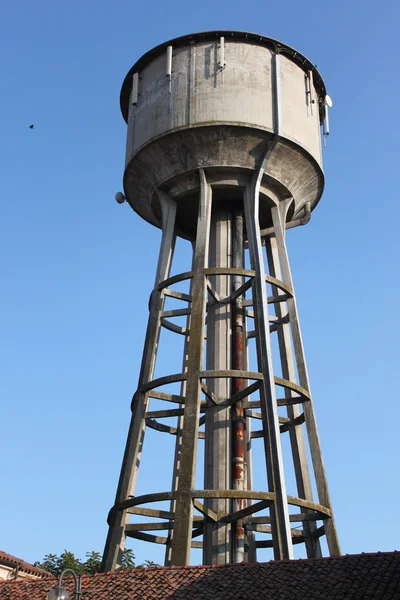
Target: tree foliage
{"x": 67, "y": 560}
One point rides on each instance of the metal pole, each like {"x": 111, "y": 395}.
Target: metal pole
{"x": 239, "y": 384}
{"x": 77, "y": 581}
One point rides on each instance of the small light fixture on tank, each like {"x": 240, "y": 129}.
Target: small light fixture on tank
{"x": 119, "y": 197}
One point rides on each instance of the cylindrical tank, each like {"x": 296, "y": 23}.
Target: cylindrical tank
{"x": 218, "y": 100}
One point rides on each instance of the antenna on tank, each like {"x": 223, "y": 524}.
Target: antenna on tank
{"x": 327, "y": 104}
{"x": 169, "y": 67}
{"x": 135, "y": 88}
{"x": 221, "y": 62}
{"x": 309, "y": 90}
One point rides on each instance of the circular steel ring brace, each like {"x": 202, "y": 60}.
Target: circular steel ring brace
{"x": 228, "y": 494}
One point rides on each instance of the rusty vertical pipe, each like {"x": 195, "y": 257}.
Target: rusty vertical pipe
{"x": 238, "y": 384}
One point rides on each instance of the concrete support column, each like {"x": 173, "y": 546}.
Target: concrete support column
{"x": 118, "y": 517}
{"x": 182, "y": 530}
{"x": 178, "y": 443}
{"x": 294, "y": 412}
{"x": 308, "y": 407}
{"x": 281, "y": 533}
{"x": 218, "y": 440}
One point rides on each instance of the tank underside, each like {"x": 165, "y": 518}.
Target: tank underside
{"x": 230, "y": 153}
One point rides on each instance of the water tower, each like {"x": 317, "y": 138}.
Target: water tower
{"x": 224, "y": 150}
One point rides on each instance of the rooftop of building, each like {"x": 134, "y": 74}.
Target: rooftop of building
{"x": 350, "y": 577}
{"x": 17, "y": 563}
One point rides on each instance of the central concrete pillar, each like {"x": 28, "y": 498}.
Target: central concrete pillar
{"x": 217, "y": 544}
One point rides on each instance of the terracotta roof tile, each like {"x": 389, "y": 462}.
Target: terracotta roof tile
{"x": 354, "y": 577}
{"x": 13, "y": 561}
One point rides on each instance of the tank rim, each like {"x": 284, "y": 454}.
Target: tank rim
{"x": 244, "y": 36}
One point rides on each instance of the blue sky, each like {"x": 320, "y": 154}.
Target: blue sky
{"x": 76, "y": 268}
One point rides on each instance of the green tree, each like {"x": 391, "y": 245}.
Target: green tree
{"x": 67, "y": 560}
{"x": 93, "y": 563}
{"x": 49, "y": 563}
{"x": 56, "y": 564}
{"x": 128, "y": 560}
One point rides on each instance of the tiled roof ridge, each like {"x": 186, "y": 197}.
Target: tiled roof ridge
{"x": 23, "y": 565}
{"x": 122, "y": 573}
{"x": 247, "y": 564}
{"x": 367, "y": 575}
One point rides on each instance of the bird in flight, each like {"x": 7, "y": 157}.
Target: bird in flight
{"x": 31, "y": 127}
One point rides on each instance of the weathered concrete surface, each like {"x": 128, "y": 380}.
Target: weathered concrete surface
{"x": 202, "y": 93}
{"x": 176, "y": 157}
{"x": 213, "y": 115}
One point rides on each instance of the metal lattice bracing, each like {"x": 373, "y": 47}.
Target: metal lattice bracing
{"x": 227, "y": 306}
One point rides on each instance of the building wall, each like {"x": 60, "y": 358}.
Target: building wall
{"x": 9, "y": 573}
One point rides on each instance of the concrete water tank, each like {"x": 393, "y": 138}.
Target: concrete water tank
{"x": 216, "y": 100}
{"x": 224, "y": 149}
